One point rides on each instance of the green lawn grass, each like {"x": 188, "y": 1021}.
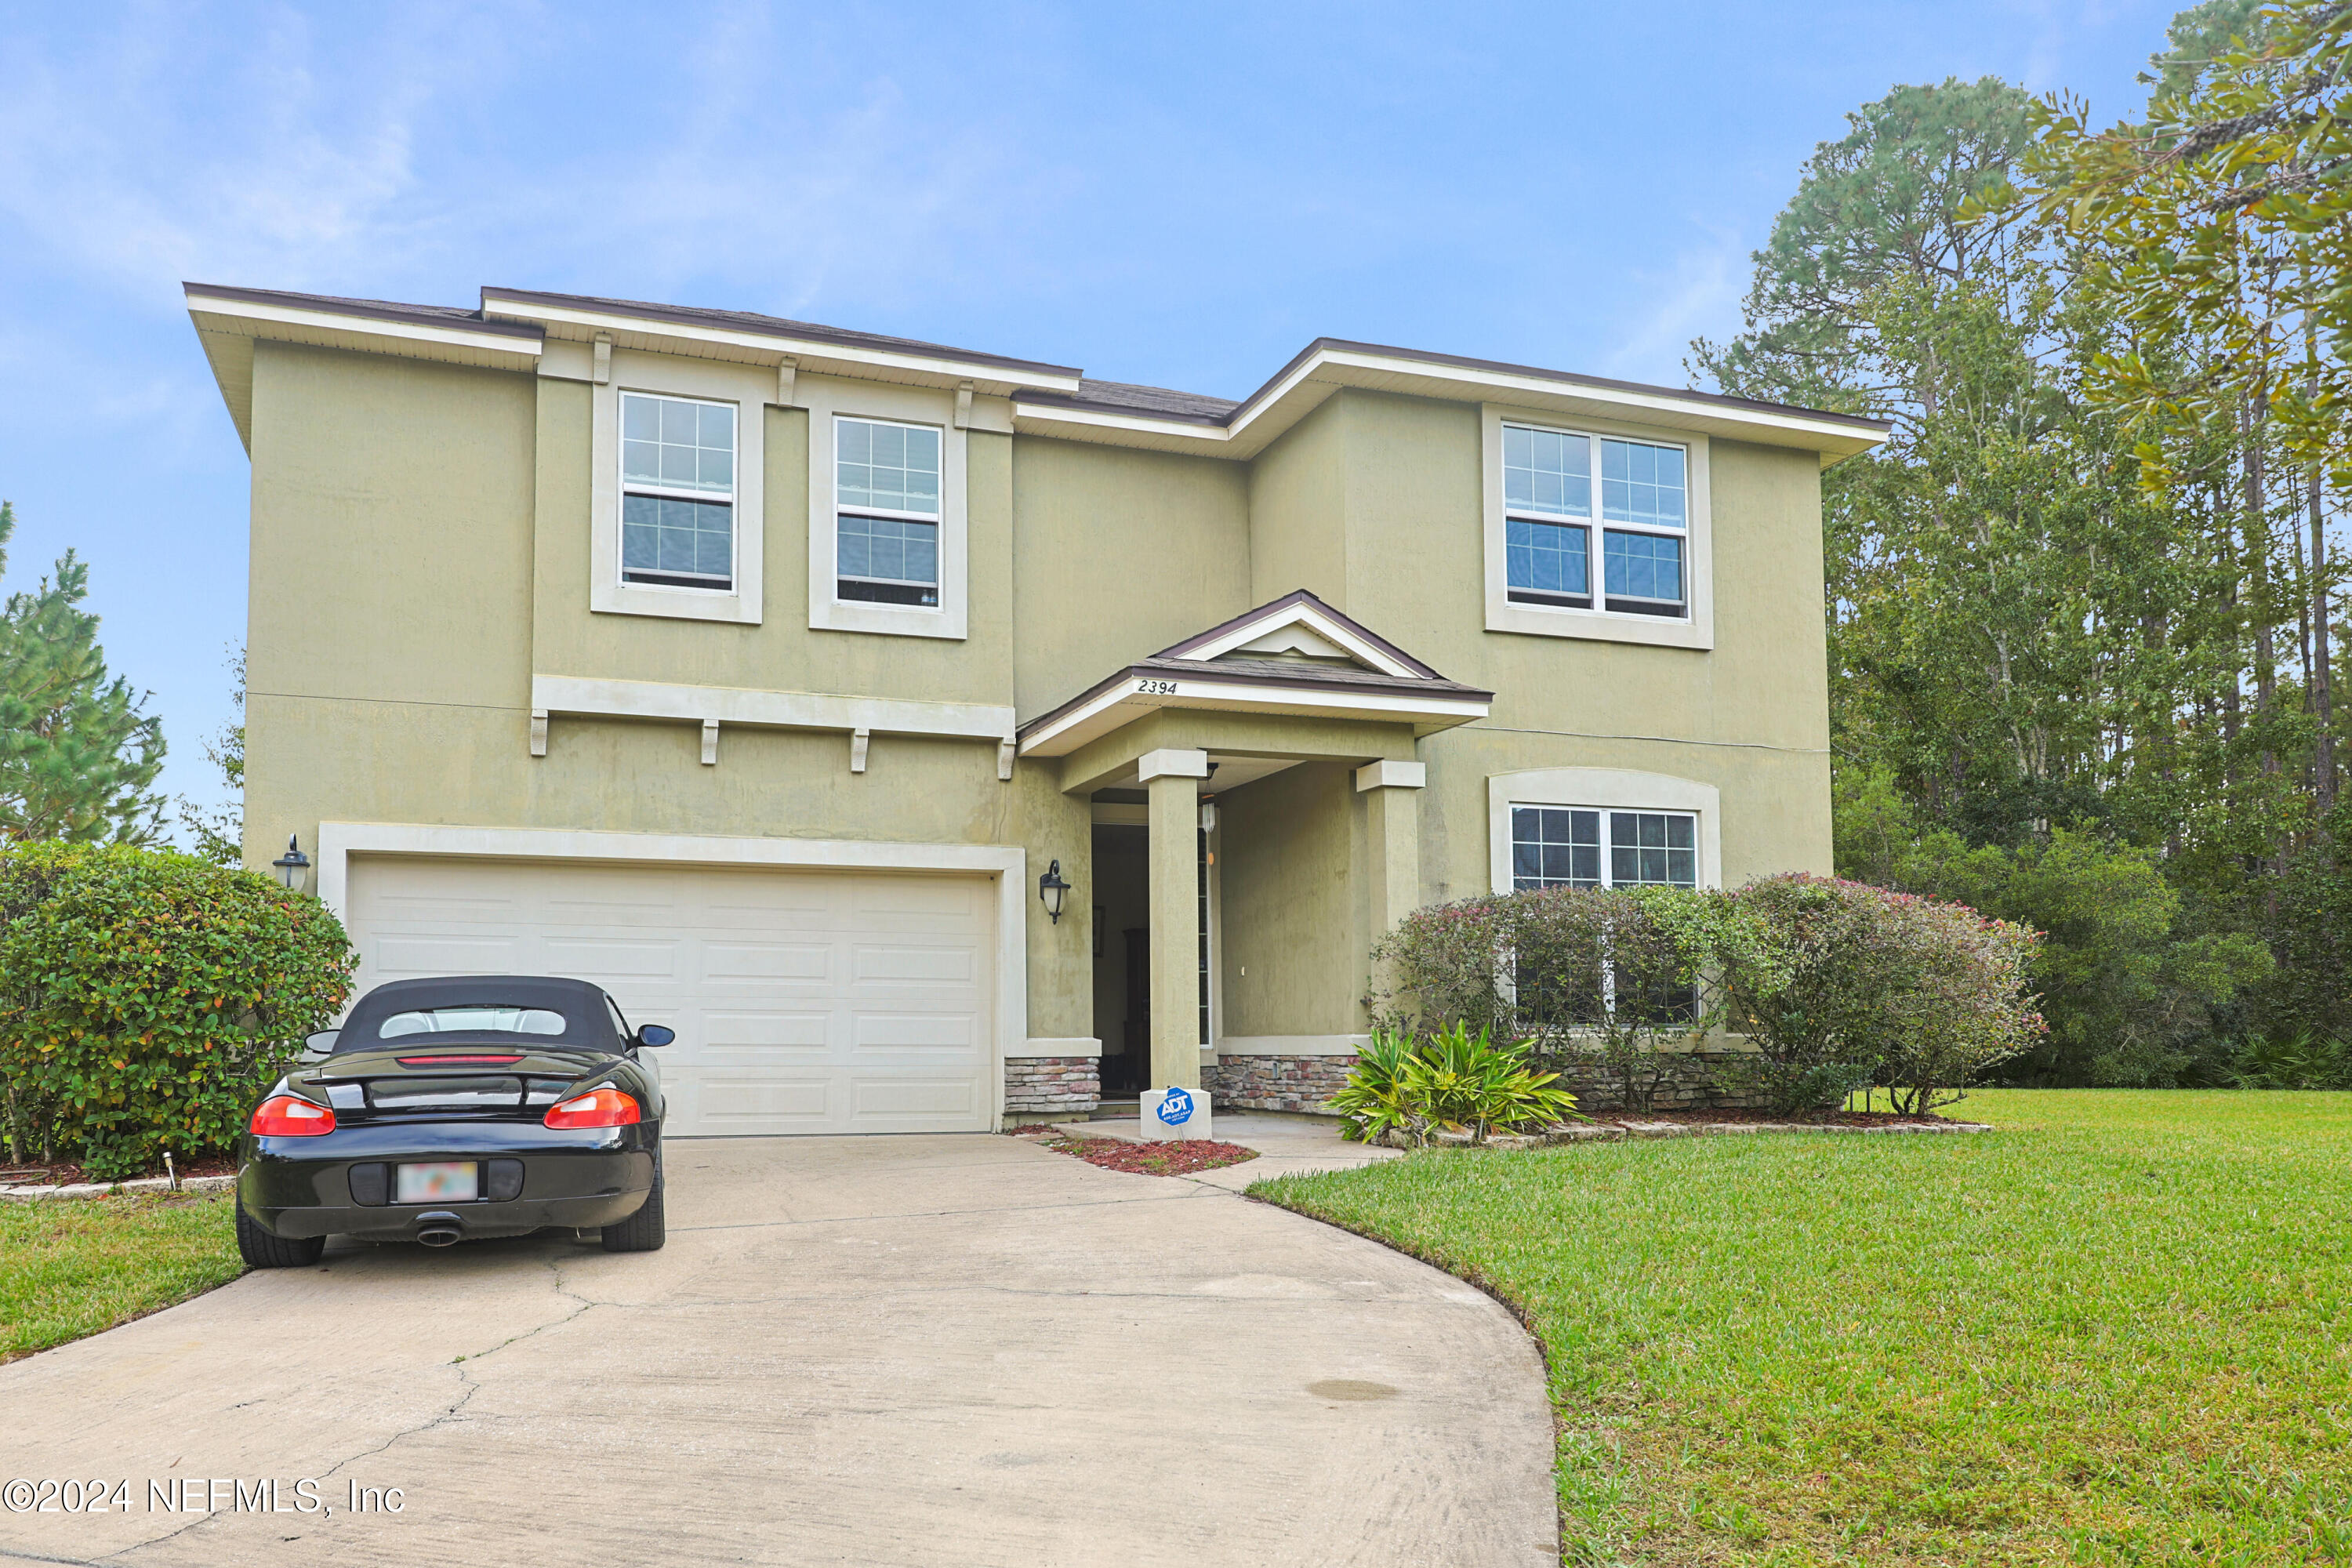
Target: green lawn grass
{"x": 73, "y": 1267}
{"x": 2116, "y": 1331}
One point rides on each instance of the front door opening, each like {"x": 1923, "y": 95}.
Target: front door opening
{"x": 1122, "y": 953}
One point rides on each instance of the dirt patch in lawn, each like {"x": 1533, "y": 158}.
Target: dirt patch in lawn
{"x": 1177, "y": 1157}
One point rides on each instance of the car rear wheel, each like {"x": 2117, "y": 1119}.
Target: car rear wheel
{"x": 642, "y": 1231}
{"x": 260, "y": 1250}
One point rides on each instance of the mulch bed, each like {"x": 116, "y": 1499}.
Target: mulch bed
{"x": 1177, "y": 1157}
{"x": 68, "y": 1174}
{"x": 1775, "y": 1118}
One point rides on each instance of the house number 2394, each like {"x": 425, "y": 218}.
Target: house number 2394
{"x": 1155, "y": 687}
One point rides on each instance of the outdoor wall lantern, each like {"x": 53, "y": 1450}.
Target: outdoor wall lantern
{"x": 292, "y": 864}
{"x": 1053, "y": 890}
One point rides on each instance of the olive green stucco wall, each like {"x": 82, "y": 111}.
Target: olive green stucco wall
{"x": 1121, "y": 554}
{"x": 1290, "y": 909}
{"x": 1750, "y": 717}
{"x": 420, "y": 550}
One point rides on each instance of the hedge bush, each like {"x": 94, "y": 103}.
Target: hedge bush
{"x": 1835, "y": 985}
{"x": 1614, "y": 981}
{"x": 1867, "y": 987}
{"x": 145, "y": 997}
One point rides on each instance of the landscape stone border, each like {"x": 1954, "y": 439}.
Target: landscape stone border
{"x": 100, "y": 1189}
{"x": 1589, "y": 1134}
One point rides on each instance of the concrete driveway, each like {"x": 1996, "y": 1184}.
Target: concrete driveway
{"x": 903, "y": 1351}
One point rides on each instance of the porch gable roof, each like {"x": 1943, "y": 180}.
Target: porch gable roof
{"x": 1310, "y": 660}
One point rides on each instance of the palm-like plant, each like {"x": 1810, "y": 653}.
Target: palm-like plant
{"x": 1451, "y": 1078}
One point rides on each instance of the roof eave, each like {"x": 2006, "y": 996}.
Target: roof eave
{"x": 1330, "y": 364}
{"x": 230, "y": 321}
{"x": 660, "y": 329}
{"x": 1119, "y": 700}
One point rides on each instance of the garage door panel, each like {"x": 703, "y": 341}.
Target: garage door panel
{"x": 734, "y": 1104}
{"x": 803, "y": 1000}
{"x": 412, "y": 957}
{"x": 591, "y": 959}
{"x": 912, "y": 1099}
{"x": 739, "y": 1031}
{"x": 915, "y": 896}
{"x": 790, "y": 899}
{"x": 724, "y": 962}
{"x": 914, "y": 1031}
{"x": 901, "y": 963}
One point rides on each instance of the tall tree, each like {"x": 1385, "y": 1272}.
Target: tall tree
{"x": 2030, "y": 648}
{"x": 78, "y": 751}
{"x": 1879, "y": 205}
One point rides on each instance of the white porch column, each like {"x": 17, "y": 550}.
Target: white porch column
{"x": 1171, "y": 778}
{"x": 1392, "y": 819}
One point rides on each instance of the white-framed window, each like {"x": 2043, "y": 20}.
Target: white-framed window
{"x": 889, "y": 549}
{"x": 1549, "y": 480}
{"x": 1602, "y": 827}
{"x": 678, "y": 493}
{"x": 1596, "y": 531}
{"x": 1593, "y": 847}
{"x": 675, "y": 505}
{"x": 887, "y": 489}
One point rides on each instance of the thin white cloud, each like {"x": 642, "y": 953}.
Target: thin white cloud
{"x": 1699, "y": 295}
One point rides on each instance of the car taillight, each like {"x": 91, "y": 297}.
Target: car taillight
{"x": 597, "y": 1108}
{"x": 456, "y": 1061}
{"x": 283, "y": 1116}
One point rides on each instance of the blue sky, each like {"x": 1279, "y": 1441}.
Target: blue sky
{"x": 1182, "y": 195}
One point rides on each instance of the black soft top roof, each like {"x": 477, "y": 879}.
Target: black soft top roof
{"x": 587, "y": 1021}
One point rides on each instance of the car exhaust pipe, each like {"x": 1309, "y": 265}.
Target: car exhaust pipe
{"x": 438, "y": 1236}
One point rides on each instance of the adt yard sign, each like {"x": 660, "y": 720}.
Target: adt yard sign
{"x": 1174, "y": 1112}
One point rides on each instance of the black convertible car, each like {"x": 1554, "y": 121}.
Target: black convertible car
{"x": 444, "y": 1109}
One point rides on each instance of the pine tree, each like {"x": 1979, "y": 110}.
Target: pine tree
{"x": 78, "y": 750}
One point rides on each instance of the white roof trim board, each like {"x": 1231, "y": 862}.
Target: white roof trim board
{"x": 1389, "y": 686}
{"x": 507, "y": 329}
{"x": 1311, "y": 615}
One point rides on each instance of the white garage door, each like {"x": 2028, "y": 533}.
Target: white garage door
{"x": 804, "y": 1001}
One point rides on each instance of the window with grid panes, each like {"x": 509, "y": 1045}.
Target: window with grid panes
{"x": 1579, "y": 847}
{"x": 678, "y": 493}
{"x": 887, "y": 499}
{"x": 1550, "y": 481}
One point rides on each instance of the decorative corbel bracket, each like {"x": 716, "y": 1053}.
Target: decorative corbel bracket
{"x": 963, "y": 405}
{"x": 538, "y": 732}
{"x": 858, "y": 740}
{"x": 603, "y": 358}
{"x": 710, "y": 743}
{"x": 1005, "y": 750}
{"x": 787, "y": 373}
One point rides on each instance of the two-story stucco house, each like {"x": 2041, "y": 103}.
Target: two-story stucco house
{"x": 781, "y": 677}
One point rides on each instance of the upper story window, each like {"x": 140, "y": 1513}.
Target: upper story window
{"x": 678, "y": 493}
{"x": 1549, "y": 483}
{"x": 886, "y": 507}
{"x": 1572, "y": 847}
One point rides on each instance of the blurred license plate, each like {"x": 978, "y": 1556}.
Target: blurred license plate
{"x": 438, "y": 1184}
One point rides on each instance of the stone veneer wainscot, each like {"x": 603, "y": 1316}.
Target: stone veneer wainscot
{"x": 1057, "y": 1085}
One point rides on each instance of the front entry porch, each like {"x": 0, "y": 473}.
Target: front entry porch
{"x": 1256, "y": 797}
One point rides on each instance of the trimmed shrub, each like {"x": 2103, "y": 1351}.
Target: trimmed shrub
{"x": 1616, "y": 982}
{"x": 1862, "y": 985}
{"x": 145, "y": 998}
{"x": 1837, "y": 986}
